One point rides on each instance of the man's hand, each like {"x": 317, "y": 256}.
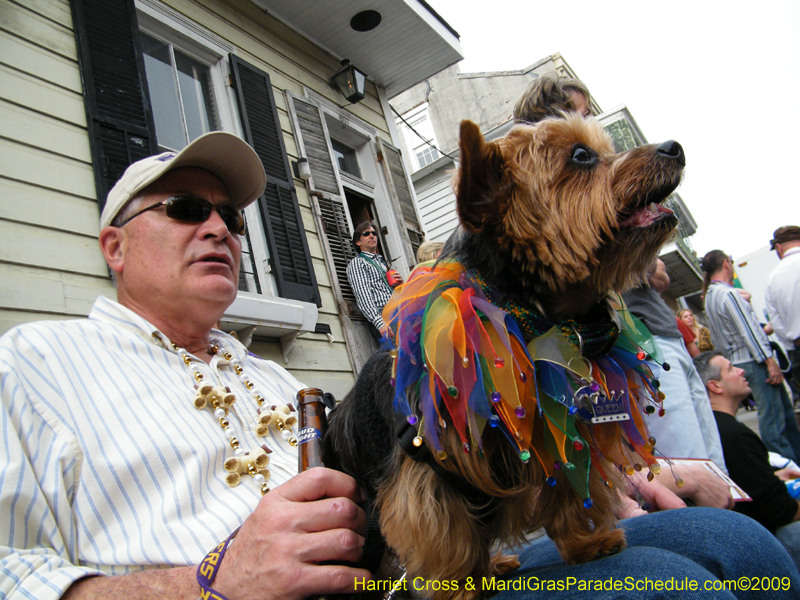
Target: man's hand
{"x": 313, "y": 518}
{"x": 775, "y": 375}
{"x": 787, "y": 474}
{"x": 654, "y": 492}
{"x": 701, "y": 486}
{"x": 284, "y": 547}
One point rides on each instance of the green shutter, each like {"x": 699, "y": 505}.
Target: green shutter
{"x": 290, "y": 259}
{"x": 118, "y": 114}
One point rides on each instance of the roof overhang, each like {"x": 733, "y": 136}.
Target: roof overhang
{"x": 411, "y": 43}
{"x": 621, "y": 112}
{"x": 685, "y": 277}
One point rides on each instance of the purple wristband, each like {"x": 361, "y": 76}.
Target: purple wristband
{"x": 208, "y": 568}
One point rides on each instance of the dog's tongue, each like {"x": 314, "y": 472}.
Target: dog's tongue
{"x": 646, "y": 215}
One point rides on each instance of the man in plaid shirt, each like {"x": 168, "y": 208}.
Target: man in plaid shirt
{"x": 367, "y": 276}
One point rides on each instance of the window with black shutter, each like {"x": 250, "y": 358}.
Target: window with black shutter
{"x": 290, "y": 258}
{"x": 188, "y": 92}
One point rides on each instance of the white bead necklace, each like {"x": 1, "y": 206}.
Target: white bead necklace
{"x": 221, "y": 399}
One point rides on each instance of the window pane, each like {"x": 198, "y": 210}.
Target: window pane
{"x": 194, "y": 79}
{"x": 346, "y": 158}
{"x": 163, "y": 93}
{"x": 427, "y": 156}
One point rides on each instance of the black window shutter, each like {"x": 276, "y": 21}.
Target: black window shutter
{"x": 290, "y": 259}
{"x": 340, "y": 242}
{"x": 312, "y": 142}
{"x": 120, "y": 120}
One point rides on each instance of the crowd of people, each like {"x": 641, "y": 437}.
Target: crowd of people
{"x": 116, "y": 427}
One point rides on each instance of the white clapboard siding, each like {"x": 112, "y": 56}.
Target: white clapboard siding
{"x": 34, "y": 24}
{"x": 437, "y": 208}
{"x": 26, "y": 90}
{"x": 44, "y": 132}
{"x": 44, "y": 169}
{"x": 41, "y": 63}
{"x": 49, "y": 291}
{"x": 32, "y": 205}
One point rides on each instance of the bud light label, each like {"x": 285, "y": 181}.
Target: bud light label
{"x": 307, "y": 434}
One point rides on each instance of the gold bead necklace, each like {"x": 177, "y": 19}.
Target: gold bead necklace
{"x": 220, "y": 399}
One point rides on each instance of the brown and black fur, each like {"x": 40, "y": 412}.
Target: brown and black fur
{"x": 541, "y": 213}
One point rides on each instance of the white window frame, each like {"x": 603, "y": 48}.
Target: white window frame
{"x": 267, "y": 313}
{"x": 413, "y": 141}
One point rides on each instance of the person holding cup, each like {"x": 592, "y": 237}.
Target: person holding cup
{"x": 371, "y": 278}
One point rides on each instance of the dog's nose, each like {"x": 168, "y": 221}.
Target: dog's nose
{"x": 672, "y": 149}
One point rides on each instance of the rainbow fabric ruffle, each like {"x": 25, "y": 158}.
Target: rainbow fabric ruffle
{"x": 465, "y": 356}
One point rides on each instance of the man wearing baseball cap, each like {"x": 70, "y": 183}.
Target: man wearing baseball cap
{"x": 139, "y": 440}
{"x": 783, "y": 293}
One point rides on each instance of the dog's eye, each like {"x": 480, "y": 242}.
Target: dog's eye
{"x": 583, "y": 156}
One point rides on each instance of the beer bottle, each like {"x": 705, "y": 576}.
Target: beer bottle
{"x": 310, "y": 452}
{"x": 313, "y": 424}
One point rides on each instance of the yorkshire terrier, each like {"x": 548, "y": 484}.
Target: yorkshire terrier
{"x": 472, "y": 431}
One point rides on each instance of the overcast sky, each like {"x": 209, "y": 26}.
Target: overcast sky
{"x": 721, "y": 78}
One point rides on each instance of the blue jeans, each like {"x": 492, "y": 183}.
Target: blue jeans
{"x": 789, "y": 537}
{"x": 706, "y": 545}
{"x": 794, "y": 356}
{"x": 776, "y": 422}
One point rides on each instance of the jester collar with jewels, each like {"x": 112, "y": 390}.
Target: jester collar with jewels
{"x": 570, "y": 395}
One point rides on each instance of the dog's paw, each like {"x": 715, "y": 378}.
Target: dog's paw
{"x": 591, "y": 547}
{"x": 609, "y": 550}
{"x": 598, "y": 546}
{"x": 504, "y": 563}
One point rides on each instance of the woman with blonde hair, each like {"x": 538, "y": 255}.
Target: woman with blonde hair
{"x": 429, "y": 251}
{"x": 702, "y": 334}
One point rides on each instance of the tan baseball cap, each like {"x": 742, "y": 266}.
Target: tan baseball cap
{"x": 225, "y": 155}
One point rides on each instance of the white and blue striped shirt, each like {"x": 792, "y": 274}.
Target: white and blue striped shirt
{"x": 106, "y": 466}
{"x": 734, "y": 326}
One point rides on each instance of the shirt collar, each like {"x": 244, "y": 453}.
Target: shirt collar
{"x": 108, "y": 311}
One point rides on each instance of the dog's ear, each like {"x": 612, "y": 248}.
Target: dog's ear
{"x": 479, "y": 179}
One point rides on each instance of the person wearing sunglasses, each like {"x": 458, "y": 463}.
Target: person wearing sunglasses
{"x": 116, "y": 428}
{"x": 372, "y": 280}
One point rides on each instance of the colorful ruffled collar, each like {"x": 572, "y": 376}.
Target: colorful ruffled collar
{"x": 591, "y": 338}
{"x": 461, "y": 354}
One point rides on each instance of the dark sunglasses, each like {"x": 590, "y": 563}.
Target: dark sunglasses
{"x": 369, "y": 233}
{"x": 194, "y": 209}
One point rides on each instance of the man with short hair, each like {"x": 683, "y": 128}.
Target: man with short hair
{"x": 736, "y": 331}
{"x": 367, "y": 274}
{"x": 109, "y": 468}
{"x": 746, "y": 455}
{"x": 783, "y": 293}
